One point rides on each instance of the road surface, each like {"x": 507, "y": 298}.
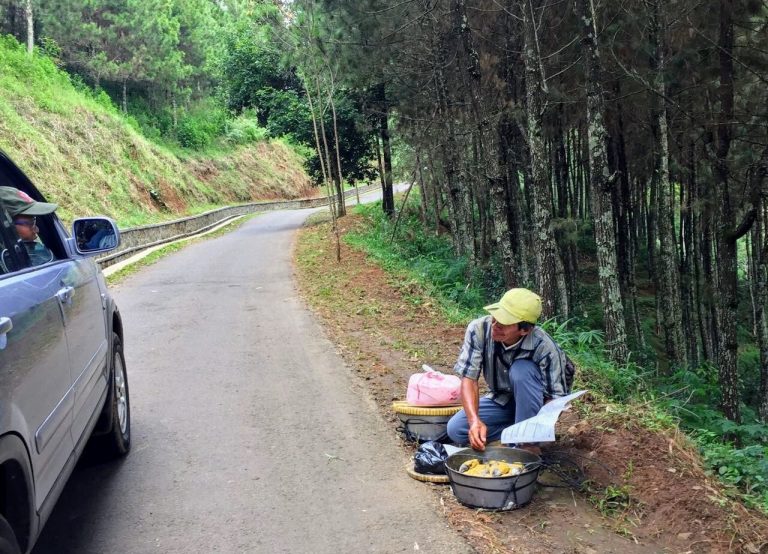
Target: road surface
{"x": 249, "y": 433}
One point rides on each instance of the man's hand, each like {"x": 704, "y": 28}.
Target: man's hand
{"x": 477, "y": 433}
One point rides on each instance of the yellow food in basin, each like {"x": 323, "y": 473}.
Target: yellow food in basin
{"x": 491, "y": 468}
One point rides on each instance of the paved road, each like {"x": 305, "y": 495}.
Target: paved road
{"x": 250, "y": 435}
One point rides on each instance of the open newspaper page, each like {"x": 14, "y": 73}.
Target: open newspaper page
{"x": 541, "y": 427}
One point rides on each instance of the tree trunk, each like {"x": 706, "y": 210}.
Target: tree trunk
{"x": 565, "y": 238}
{"x": 388, "y": 198}
{"x": 757, "y": 254}
{"x": 726, "y": 299}
{"x": 626, "y": 235}
{"x": 423, "y": 193}
{"x": 342, "y": 208}
{"x": 175, "y": 111}
{"x": 28, "y": 15}
{"x": 326, "y": 150}
{"x": 472, "y": 182}
{"x": 326, "y": 179}
{"x": 549, "y": 266}
{"x": 450, "y": 155}
{"x": 601, "y": 184}
{"x": 668, "y": 266}
{"x": 515, "y": 257}
{"x": 688, "y": 253}
{"x": 506, "y": 231}
{"x": 760, "y": 255}
{"x": 382, "y": 177}
{"x": 436, "y": 194}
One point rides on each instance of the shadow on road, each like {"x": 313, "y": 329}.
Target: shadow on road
{"x": 90, "y": 488}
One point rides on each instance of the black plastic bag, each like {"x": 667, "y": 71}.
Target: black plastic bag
{"x": 430, "y": 458}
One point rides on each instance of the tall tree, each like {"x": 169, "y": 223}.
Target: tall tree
{"x": 668, "y": 266}
{"x": 601, "y": 183}
{"x": 726, "y": 303}
{"x": 549, "y": 266}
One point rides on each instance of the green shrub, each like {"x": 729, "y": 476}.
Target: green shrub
{"x": 196, "y": 133}
{"x": 201, "y": 124}
{"x": 745, "y": 468}
{"x": 245, "y": 129}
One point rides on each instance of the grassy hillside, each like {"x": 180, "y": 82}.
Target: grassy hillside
{"x": 85, "y": 155}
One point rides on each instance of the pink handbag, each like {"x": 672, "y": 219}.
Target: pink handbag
{"x": 433, "y": 388}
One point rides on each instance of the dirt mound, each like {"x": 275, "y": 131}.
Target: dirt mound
{"x": 646, "y": 491}
{"x": 661, "y": 480}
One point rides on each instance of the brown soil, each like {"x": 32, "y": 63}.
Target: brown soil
{"x": 647, "y": 491}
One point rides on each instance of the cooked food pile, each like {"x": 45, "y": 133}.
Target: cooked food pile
{"x": 491, "y": 468}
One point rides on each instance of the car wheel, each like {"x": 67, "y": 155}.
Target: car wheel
{"x": 8, "y": 544}
{"x": 118, "y": 439}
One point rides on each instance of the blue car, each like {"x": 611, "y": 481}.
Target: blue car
{"x": 63, "y": 378}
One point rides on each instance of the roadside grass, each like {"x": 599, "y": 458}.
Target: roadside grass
{"x": 127, "y": 271}
{"x": 322, "y": 287}
{"x": 168, "y": 249}
{"x": 426, "y": 270}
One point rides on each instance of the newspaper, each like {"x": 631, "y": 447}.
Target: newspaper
{"x": 541, "y": 427}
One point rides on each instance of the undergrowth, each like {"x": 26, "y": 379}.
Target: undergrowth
{"x": 687, "y": 399}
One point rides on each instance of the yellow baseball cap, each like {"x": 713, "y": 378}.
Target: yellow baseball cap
{"x": 515, "y": 306}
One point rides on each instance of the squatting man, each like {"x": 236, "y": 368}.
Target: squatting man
{"x": 521, "y": 364}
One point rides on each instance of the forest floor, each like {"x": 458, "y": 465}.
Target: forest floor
{"x": 646, "y": 490}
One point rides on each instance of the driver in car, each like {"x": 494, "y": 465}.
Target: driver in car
{"x": 23, "y": 210}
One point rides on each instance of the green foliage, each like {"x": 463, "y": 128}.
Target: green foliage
{"x": 595, "y": 370}
{"x": 428, "y": 259}
{"x": 39, "y": 80}
{"x": 245, "y": 129}
{"x": 749, "y": 374}
{"x": 285, "y": 113}
{"x": 198, "y": 129}
{"x": 193, "y": 135}
{"x": 745, "y": 468}
{"x": 302, "y": 150}
{"x": 252, "y": 64}
{"x": 613, "y": 501}
{"x": 131, "y": 42}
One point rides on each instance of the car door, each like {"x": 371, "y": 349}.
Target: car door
{"x": 86, "y": 328}
{"x": 36, "y": 395}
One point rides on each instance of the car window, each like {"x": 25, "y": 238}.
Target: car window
{"x": 15, "y": 253}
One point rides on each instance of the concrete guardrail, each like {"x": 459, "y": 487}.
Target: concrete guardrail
{"x": 135, "y": 239}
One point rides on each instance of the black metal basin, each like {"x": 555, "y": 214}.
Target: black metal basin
{"x": 494, "y": 493}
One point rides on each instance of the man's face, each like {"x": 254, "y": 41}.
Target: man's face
{"x": 26, "y": 227}
{"x": 507, "y": 334}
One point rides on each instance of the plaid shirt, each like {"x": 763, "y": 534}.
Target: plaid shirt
{"x": 480, "y": 353}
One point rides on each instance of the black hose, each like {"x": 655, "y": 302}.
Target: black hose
{"x": 570, "y": 473}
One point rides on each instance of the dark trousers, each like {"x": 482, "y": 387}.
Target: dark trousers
{"x": 527, "y": 399}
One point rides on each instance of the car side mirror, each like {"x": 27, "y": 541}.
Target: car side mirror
{"x": 95, "y": 235}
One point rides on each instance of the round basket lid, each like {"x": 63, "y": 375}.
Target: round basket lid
{"x": 402, "y": 407}
{"x": 425, "y": 477}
